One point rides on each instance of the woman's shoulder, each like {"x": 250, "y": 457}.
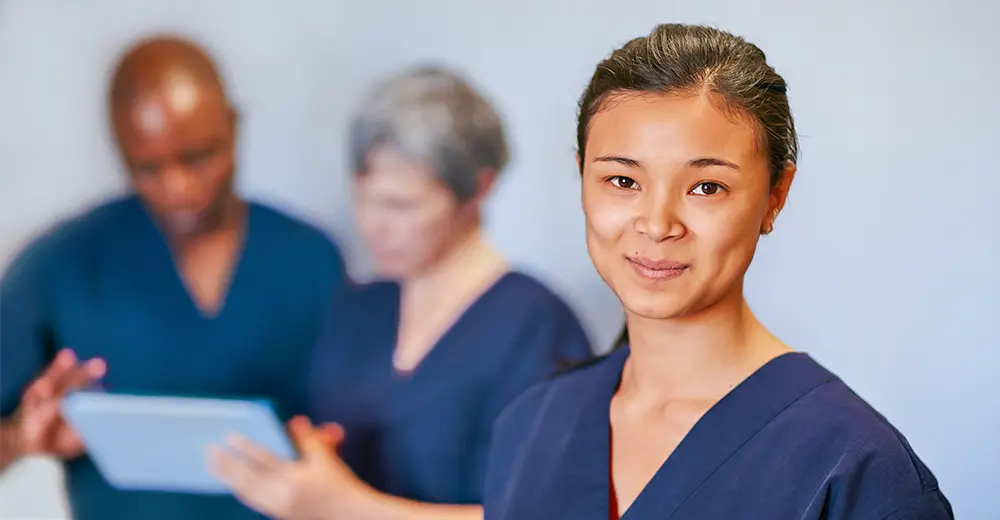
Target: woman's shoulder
{"x": 559, "y": 390}
{"x": 848, "y": 441}
{"x": 525, "y": 302}
{"x": 528, "y": 292}
{"x": 836, "y": 412}
{"x": 355, "y": 305}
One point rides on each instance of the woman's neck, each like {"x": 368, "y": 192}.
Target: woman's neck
{"x": 471, "y": 258}
{"x": 432, "y": 303}
{"x": 701, "y": 356}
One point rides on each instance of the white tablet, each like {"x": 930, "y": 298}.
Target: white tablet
{"x": 160, "y": 443}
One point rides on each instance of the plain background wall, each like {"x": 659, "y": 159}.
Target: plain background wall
{"x": 885, "y": 267}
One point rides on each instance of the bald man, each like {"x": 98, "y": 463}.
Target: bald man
{"x": 181, "y": 288}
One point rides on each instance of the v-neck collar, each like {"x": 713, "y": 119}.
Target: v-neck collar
{"x": 445, "y": 338}
{"x": 717, "y": 435}
{"x": 166, "y": 255}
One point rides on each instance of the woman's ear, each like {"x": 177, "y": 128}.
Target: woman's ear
{"x": 484, "y": 185}
{"x": 778, "y": 197}
{"x": 487, "y": 178}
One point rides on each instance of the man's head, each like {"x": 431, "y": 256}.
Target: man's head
{"x": 176, "y": 131}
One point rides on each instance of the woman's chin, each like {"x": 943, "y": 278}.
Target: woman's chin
{"x": 655, "y": 306}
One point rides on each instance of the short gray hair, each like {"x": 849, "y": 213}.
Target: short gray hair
{"x": 436, "y": 118}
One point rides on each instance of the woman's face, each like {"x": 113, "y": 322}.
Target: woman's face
{"x": 675, "y": 193}
{"x": 407, "y": 217}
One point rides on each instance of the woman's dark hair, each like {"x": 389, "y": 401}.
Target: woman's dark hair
{"x": 678, "y": 58}
{"x": 620, "y": 341}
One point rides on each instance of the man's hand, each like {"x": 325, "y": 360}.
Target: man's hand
{"x": 37, "y": 427}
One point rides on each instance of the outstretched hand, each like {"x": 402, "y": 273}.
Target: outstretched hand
{"x": 317, "y": 486}
{"x": 38, "y": 422}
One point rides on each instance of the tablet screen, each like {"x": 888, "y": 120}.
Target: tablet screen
{"x": 160, "y": 443}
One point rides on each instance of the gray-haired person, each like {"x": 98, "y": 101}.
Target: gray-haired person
{"x": 415, "y": 369}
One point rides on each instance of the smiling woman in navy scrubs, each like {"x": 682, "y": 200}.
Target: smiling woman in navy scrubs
{"x": 180, "y": 289}
{"x": 687, "y": 150}
{"x": 415, "y": 369}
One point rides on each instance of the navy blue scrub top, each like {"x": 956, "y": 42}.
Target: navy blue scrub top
{"x": 424, "y": 435}
{"x": 104, "y": 284}
{"x": 790, "y": 442}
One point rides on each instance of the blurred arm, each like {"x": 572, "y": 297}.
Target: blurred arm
{"x": 25, "y": 341}
{"x": 10, "y": 450}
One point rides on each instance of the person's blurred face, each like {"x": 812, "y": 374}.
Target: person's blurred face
{"x": 407, "y": 217}
{"x": 178, "y": 144}
{"x": 675, "y": 193}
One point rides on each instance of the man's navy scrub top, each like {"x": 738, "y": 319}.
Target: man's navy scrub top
{"x": 105, "y": 285}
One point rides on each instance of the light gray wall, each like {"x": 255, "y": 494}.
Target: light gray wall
{"x": 886, "y": 265}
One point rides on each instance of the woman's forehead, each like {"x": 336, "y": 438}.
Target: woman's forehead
{"x": 675, "y": 126}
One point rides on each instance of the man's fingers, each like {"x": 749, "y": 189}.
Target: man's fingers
{"x": 44, "y": 386}
{"x": 95, "y": 368}
{"x": 82, "y": 376}
{"x": 65, "y": 374}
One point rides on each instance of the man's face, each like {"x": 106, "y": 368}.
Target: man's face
{"x": 178, "y": 143}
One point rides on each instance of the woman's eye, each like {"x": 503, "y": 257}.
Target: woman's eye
{"x": 624, "y": 183}
{"x": 707, "y": 188}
